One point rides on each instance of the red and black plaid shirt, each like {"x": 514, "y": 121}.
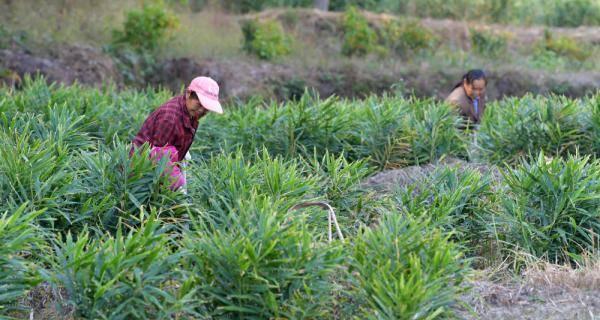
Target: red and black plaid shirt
{"x": 170, "y": 124}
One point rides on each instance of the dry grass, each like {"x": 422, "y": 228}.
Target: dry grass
{"x": 207, "y": 34}
{"x": 203, "y": 34}
{"x": 543, "y": 291}
{"x": 87, "y": 22}
{"x": 551, "y": 276}
{"x": 47, "y": 303}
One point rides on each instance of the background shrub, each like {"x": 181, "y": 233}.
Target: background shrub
{"x": 359, "y": 38}
{"x": 146, "y": 29}
{"x": 487, "y": 43}
{"x": 573, "y": 13}
{"x": 565, "y": 46}
{"x": 244, "y": 6}
{"x": 408, "y": 37}
{"x": 135, "y": 47}
{"x": 265, "y": 39}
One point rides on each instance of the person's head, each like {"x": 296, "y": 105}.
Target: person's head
{"x": 474, "y": 83}
{"x": 201, "y": 96}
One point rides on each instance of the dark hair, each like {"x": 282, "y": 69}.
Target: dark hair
{"x": 193, "y": 95}
{"x": 472, "y": 75}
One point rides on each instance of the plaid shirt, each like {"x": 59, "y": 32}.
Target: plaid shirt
{"x": 171, "y": 125}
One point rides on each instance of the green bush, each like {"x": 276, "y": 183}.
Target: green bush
{"x": 594, "y": 125}
{"x": 131, "y": 276}
{"x": 406, "y": 269}
{"x": 488, "y": 44}
{"x": 551, "y": 207}
{"x": 135, "y": 46}
{"x": 34, "y": 171}
{"x": 392, "y": 132}
{"x": 292, "y": 129}
{"x": 517, "y": 127}
{"x": 548, "y": 60}
{"x": 404, "y": 38}
{"x": 565, "y": 46}
{"x": 4, "y": 37}
{"x": 460, "y": 201}
{"x": 359, "y": 38}
{"x": 85, "y": 111}
{"x": 432, "y": 132}
{"x": 54, "y": 155}
{"x": 339, "y": 184}
{"x": 146, "y": 29}
{"x": 245, "y": 6}
{"x": 379, "y": 135}
{"x": 265, "y": 39}
{"x": 115, "y": 185}
{"x": 19, "y": 236}
{"x": 236, "y": 180}
{"x": 266, "y": 265}
{"x": 573, "y": 13}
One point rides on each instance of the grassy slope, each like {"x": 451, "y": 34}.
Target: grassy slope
{"x": 216, "y": 34}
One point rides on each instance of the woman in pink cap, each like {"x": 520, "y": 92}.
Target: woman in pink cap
{"x": 171, "y": 128}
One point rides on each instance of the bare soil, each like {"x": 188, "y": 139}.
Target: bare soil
{"x": 244, "y": 78}
{"x": 63, "y": 64}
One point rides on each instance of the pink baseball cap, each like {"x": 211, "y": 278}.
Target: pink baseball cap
{"x": 207, "y": 91}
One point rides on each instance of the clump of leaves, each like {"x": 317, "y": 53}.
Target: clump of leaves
{"x": 115, "y": 183}
{"x": 265, "y": 264}
{"x": 225, "y": 183}
{"x": 406, "y": 269}
{"x": 128, "y": 276}
{"x": 359, "y": 38}
{"x": 459, "y": 201}
{"x": 565, "y": 46}
{"x": 408, "y": 37}
{"x": 135, "y": 46}
{"x": 265, "y": 39}
{"x": 487, "y": 43}
{"x": 19, "y": 237}
{"x": 146, "y": 29}
{"x": 515, "y": 128}
{"x": 551, "y": 209}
